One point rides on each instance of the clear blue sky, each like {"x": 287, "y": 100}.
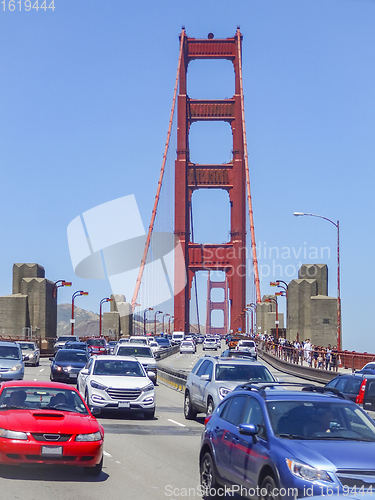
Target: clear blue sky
{"x": 85, "y": 97}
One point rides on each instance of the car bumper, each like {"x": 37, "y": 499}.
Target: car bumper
{"x": 81, "y": 454}
{"x": 147, "y": 403}
{"x": 67, "y": 378}
{"x": 18, "y": 375}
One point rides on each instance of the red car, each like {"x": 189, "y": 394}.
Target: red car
{"x": 48, "y": 423}
{"x": 97, "y": 346}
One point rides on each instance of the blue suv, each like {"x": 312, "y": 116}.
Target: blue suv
{"x": 287, "y": 441}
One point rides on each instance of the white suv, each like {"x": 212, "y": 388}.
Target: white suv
{"x": 117, "y": 383}
{"x": 247, "y": 346}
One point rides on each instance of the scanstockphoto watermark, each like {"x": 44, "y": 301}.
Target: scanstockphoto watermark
{"x": 226, "y": 491}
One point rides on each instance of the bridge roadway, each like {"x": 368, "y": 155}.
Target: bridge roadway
{"x": 143, "y": 459}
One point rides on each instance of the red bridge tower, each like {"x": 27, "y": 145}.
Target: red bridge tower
{"x": 229, "y": 257}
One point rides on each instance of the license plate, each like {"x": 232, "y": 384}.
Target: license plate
{"x": 73, "y": 375}
{"x": 124, "y": 404}
{"x": 52, "y": 451}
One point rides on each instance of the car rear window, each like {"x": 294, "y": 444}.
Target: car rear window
{"x": 129, "y": 350}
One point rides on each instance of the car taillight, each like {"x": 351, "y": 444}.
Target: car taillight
{"x": 207, "y": 419}
{"x": 361, "y": 394}
{"x": 102, "y": 348}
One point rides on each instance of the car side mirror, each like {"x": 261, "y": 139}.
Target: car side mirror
{"x": 249, "y": 430}
{"x": 95, "y": 410}
{"x": 280, "y": 380}
{"x": 205, "y": 377}
{"x": 84, "y": 371}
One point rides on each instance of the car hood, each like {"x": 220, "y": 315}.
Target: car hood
{"x": 121, "y": 382}
{"x": 9, "y": 363}
{"x": 47, "y": 421}
{"x": 333, "y": 454}
{"x": 73, "y": 364}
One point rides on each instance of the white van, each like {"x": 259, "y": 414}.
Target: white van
{"x": 177, "y": 337}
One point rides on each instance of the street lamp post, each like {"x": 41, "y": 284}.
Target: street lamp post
{"x": 274, "y": 300}
{"x": 144, "y": 319}
{"x": 337, "y": 225}
{"x": 107, "y": 299}
{"x": 169, "y": 324}
{"x": 252, "y": 307}
{"x": 164, "y": 315}
{"x": 156, "y": 312}
{"x": 75, "y": 294}
{"x": 58, "y": 284}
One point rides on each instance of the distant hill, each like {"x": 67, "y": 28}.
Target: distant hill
{"x": 86, "y": 324}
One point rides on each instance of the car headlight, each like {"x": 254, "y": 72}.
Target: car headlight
{"x": 5, "y": 433}
{"x": 96, "y": 385}
{"x": 56, "y": 368}
{"x": 224, "y": 391}
{"x": 307, "y": 472}
{"x": 94, "y": 436}
{"x": 149, "y": 387}
{"x": 16, "y": 368}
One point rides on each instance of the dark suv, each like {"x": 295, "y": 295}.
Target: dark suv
{"x": 287, "y": 441}
{"x": 358, "y": 386}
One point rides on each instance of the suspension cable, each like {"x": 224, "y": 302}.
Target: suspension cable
{"x": 157, "y": 196}
{"x": 195, "y": 274}
{"x": 251, "y": 215}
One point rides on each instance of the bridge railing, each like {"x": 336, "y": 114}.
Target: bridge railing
{"x": 316, "y": 358}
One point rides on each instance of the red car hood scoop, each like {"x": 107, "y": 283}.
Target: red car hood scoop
{"x": 48, "y": 415}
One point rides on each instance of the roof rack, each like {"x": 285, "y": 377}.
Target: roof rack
{"x": 322, "y": 390}
{"x": 260, "y": 387}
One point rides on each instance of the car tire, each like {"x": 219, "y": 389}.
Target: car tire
{"x": 149, "y": 414}
{"x": 207, "y": 473}
{"x": 87, "y": 401}
{"x": 269, "y": 484}
{"x": 37, "y": 363}
{"x": 189, "y": 411}
{"x": 94, "y": 471}
{"x": 210, "y": 406}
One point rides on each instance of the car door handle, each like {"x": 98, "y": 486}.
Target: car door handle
{"x": 235, "y": 440}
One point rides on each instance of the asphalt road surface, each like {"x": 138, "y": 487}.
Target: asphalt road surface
{"x": 143, "y": 459}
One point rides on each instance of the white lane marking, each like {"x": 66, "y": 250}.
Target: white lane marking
{"x": 117, "y": 462}
{"x": 35, "y": 379}
{"x": 42, "y": 370}
{"x": 177, "y": 423}
{"x": 106, "y": 454}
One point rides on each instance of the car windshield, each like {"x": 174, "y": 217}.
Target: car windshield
{"x": 121, "y": 368}
{"x": 242, "y": 373}
{"x": 328, "y": 420}
{"x": 9, "y": 352}
{"x": 130, "y": 350}
{"x": 162, "y": 341}
{"x": 187, "y": 344}
{"x": 28, "y": 347}
{"x": 41, "y": 398}
{"x": 71, "y": 356}
{"x": 95, "y": 342}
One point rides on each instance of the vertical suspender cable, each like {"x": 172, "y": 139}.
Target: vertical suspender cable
{"x": 157, "y": 196}
{"x": 251, "y": 216}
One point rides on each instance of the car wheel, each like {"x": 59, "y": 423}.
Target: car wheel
{"x": 267, "y": 489}
{"x": 189, "y": 411}
{"x": 94, "y": 471}
{"x": 210, "y": 407}
{"x": 37, "y": 363}
{"x": 208, "y": 477}
{"x": 87, "y": 400}
{"x": 149, "y": 414}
